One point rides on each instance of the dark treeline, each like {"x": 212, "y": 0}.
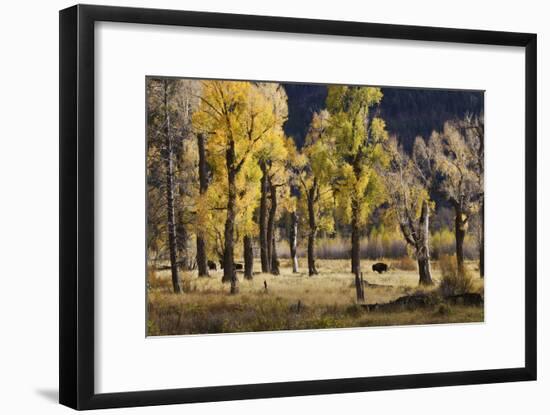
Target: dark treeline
{"x": 408, "y": 112}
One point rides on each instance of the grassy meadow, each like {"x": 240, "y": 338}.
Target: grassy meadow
{"x": 297, "y": 301}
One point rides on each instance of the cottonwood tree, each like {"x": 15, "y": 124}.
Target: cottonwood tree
{"x": 291, "y": 221}
{"x": 184, "y": 101}
{"x": 248, "y": 192}
{"x": 171, "y": 155}
{"x": 457, "y": 154}
{"x": 170, "y": 212}
{"x": 473, "y": 128}
{"x": 212, "y": 210}
{"x": 283, "y": 201}
{"x": 271, "y": 158}
{"x": 359, "y": 134}
{"x": 295, "y": 163}
{"x": 407, "y": 183}
{"x": 314, "y": 176}
{"x": 239, "y": 115}
{"x": 277, "y": 180}
{"x": 156, "y": 201}
{"x": 161, "y": 166}
{"x": 202, "y": 258}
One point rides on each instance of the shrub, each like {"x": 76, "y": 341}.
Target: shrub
{"x": 453, "y": 282}
{"x": 405, "y": 264}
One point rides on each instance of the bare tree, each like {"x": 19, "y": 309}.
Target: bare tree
{"x": 170, "y": 214}
{"x": 171, "y": 158}
{"x": 474, "y": 131}
{"x": 457, "y": 152}
{"x": 407, "y": 183}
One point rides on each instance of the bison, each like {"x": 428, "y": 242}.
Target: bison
{"x": 380, "y": 267}
{"x": 236, "y": 265}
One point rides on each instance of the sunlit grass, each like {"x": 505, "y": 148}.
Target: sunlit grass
{"x": 292, "y": 301}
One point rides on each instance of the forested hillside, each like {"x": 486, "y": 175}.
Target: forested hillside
{"x": 407, "y": 112}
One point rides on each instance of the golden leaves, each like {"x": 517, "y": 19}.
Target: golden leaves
{"x": 357, "y": 142}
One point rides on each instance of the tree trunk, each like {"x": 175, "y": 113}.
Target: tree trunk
{"x": 292, "y": 241}
{"x": 229, "y": 273}
{"x": 482, "y": 241}
{"x": 423, "y": 246}
{"x": 181, "y": 239}
{"x": 248, "y": 257}
{"x": 424, "y": 272}
{"x": 272, "y": 251}
{"x": 355, "y": 243}
{"x": 355, "y": 210}
{"x": 359, "y": 288}
{"x": 312, "y": 269}
{"x": 169, "y": 164}
{"x": 202, "y": 261}
{"x": 263, "y": 219}
{"x": 481, "y": 164}
{"x": 274, "y": 259}
{"x": 460, "y": 233}
{"x": 182, "y": 235}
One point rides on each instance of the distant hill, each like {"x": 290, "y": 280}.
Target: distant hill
{"x": 303, "y": 101}
{"x": 408, "y": 112}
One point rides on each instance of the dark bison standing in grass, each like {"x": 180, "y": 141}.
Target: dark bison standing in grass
{"x": 380, "y": 267}
{"x": 237, "y": 265}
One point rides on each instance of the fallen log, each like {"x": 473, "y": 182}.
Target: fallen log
{"x": 422, "y": 300}
{"x": 474, "y": 299}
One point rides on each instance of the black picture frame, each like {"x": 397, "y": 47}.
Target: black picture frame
{"x": 76, "y": 279}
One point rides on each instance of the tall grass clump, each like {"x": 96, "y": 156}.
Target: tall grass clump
{"x": 452, "y": 281}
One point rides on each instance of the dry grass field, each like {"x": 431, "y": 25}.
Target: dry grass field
{"x": 297, "y": 301}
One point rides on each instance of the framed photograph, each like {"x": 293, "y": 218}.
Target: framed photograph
{"x": 258, "y": 207}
